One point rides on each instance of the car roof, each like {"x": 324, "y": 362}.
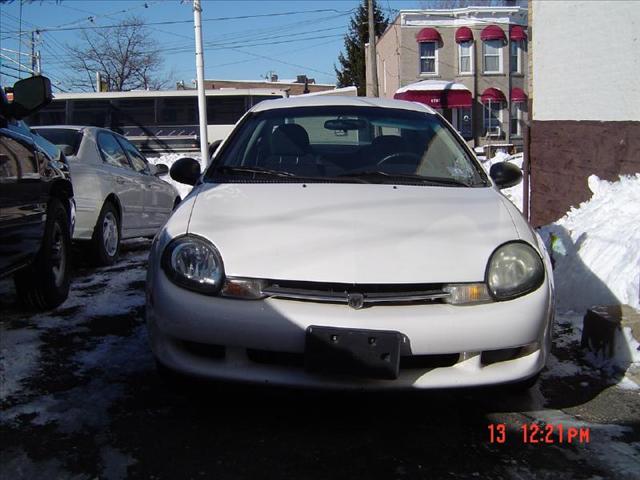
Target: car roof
{"x": 65, "y": 127}
{"x": 94, "y": 130}
{"x": 340, "y": 101}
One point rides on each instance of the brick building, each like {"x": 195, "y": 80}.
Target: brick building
{"x": 585, "y": 97}
{"x": 468, "y": 63}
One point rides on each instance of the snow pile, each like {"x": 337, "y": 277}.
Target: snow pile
{"x": 596, "y": 247}
{"x": 567, "y": 339}
{"x": 514, "y": 193}
{"x": 169, "y": 159}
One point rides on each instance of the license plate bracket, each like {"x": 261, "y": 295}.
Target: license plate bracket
{"x": 358, "y": 352}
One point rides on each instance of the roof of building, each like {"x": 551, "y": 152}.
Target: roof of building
{"x": 278, "y": 82}
{"x": 168, "y": 93}
{"x": 466, "y": 16}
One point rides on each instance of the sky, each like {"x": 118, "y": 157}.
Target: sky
{"x": 288, "y": 37}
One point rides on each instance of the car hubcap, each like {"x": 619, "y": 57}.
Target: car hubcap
{"x": 110, "y": 234}
{"x": 58, "y": 255}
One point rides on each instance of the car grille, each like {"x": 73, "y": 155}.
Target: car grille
{"x": 356, "y": 295}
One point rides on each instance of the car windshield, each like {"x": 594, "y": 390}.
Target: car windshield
{"x": 66, "y": 139}
{"x": 346, "y": 144}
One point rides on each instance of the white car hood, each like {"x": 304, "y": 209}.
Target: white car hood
{"x": 346, "y": 233}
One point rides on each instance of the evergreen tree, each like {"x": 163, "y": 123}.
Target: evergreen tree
{"x": 352, "y": 62}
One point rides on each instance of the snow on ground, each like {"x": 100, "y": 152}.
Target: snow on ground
{"x": 514, "y": 193}
{"x": 596, "y": 247}
{"x": 596, "y": 252}
{"x": 102, "y": 320}
{"x": 106, "y": 294}
{"x": 19, "y": 355}
{"x": 169, "y": 159}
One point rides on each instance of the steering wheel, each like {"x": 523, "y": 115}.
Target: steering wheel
{"x": 410, "y": 155}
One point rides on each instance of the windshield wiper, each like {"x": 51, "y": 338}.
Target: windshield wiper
{"x": 265, "y": 171}
{"x": 376, "y": 174}
{"x": 279, "y": 173}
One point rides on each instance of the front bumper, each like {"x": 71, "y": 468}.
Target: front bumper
{"x": 262, "y": 341}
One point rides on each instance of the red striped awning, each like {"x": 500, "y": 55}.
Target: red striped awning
{"x": 492, "y": 95}
{"x": 438, "y": 98}
{"x": 464, "y": 34}
{"x": 518, "y": 95}
{"x": 428, "y": 35}
{"x": 517, "y": 33}
{"x": 492, "y": 32}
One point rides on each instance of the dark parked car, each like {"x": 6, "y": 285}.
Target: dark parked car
{"x": 36, "y": 203}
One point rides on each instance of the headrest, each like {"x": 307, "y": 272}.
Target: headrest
{"x": 389, "y": 142}
{"x": 289, "y": 139}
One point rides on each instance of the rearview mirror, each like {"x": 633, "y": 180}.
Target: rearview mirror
{"x": 186, "y": 170}
{"x": 345, "y": 124}
{"x": 30, "y": 95}
{"x": 505, "y": 174}
{"x": 161, "y": 169}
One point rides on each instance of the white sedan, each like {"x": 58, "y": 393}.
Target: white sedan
{"x": 349, "y": 243}
{"x": 118, "y": 193}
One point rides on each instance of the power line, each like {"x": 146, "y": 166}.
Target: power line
{"x": 176, "y": 22}
{"x": 283, "y": 62}
{"x": 9, "y": 74}
{"x": 93, "y": 16}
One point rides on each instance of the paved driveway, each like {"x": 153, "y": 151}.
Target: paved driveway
{"x": 80, "y": 399}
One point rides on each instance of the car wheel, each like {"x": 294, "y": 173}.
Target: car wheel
{"x": 106, "y": 236}
{"x": 45, "y": 283}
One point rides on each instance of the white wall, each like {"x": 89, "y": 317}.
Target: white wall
{"x": 586, "y": 60}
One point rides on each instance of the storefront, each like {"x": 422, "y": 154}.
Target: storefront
{"x": 452, "y": 100}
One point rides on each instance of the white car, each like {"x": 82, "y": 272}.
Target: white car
{"x": 349, "y": 243}
{"x": 118, "y": 193}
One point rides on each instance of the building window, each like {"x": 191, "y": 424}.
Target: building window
{"x": 465, "y": 59}
{"x": 515, "y": 61}
{"x": 516, "y": 119}
{"x": 492, "y": 53}
{"x": 462, "y": 122}
{"x": 492, "y": 113}
{"x": 428, "y": 58}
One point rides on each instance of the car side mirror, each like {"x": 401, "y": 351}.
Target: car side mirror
{"x": 160, "y": 169}
{"x": 30, "y": 95}
{"x": 186, "y": 170}
{"x": 505, "y": 174}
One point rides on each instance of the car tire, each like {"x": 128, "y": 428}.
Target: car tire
{"x": 106, "y": 236}
{"x": 45, "y": 283}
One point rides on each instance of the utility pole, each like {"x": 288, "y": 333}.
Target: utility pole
{"x": 35, "y": 54}
{"x": 202, "y": 99}
{"x": 372, "y": 52}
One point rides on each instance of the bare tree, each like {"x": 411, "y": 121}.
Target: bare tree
{"x": 125, "y": 55}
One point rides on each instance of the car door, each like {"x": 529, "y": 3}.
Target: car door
{"x": 22, "y": 203}
{"x": 158, "y": 196}
{"x": 125, "y": 182}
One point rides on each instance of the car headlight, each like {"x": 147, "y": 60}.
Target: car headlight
{"x": 514, "y": 269}
{"x": 194, "y": 263}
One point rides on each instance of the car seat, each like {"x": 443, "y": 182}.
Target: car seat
{"x": 290, "y": 151}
